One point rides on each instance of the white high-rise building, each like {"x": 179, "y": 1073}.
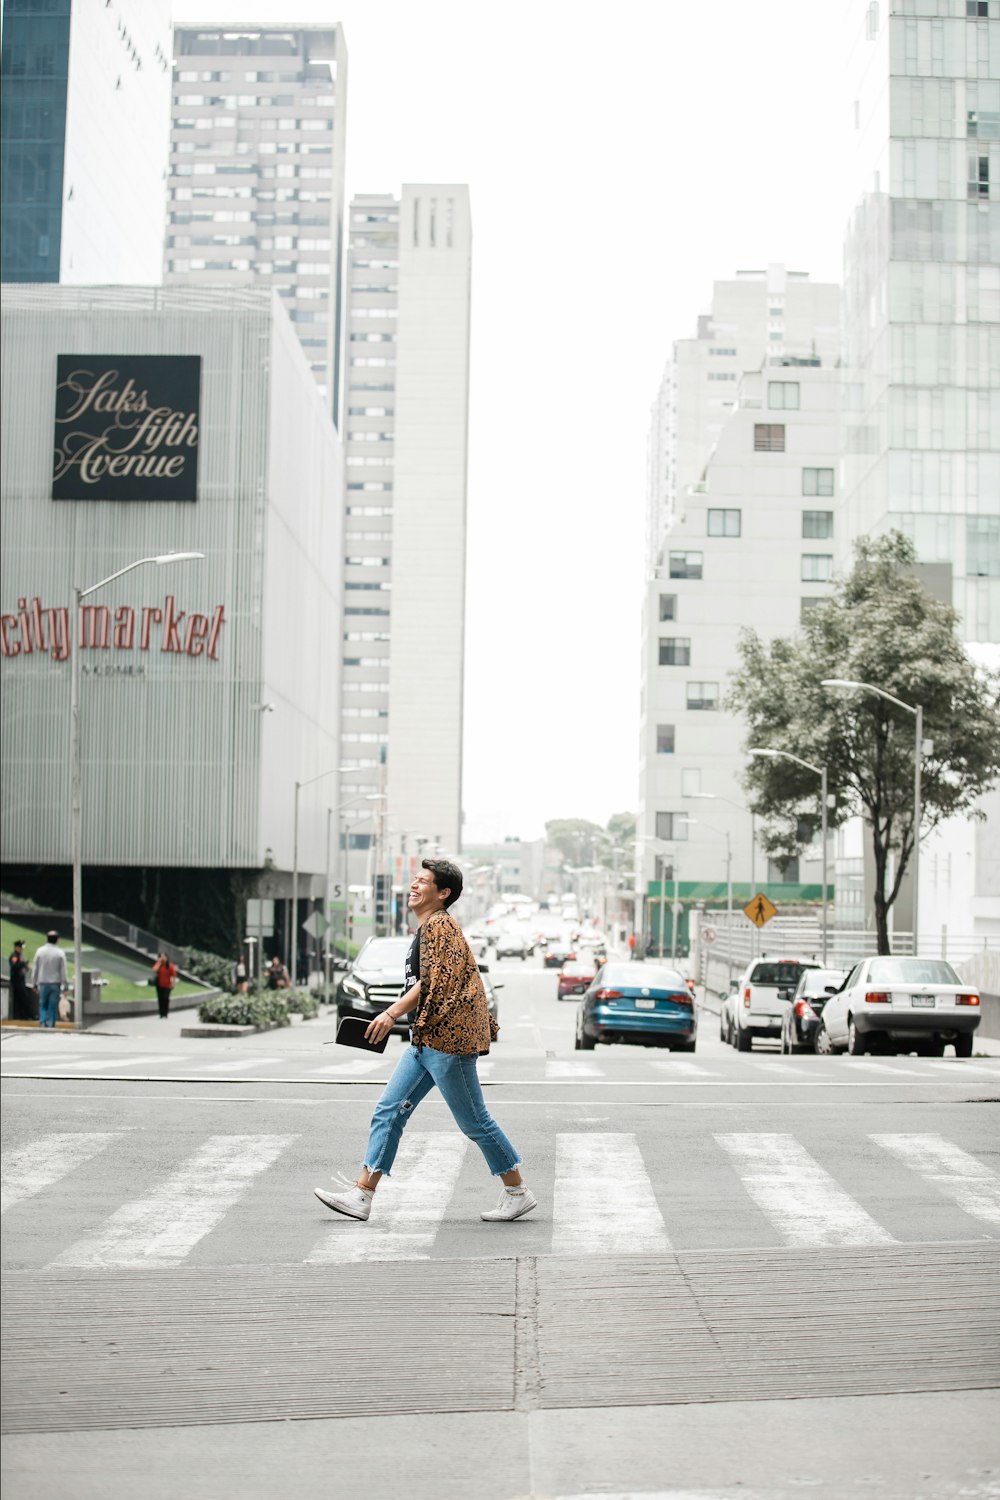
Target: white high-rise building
{"x": 741, "y": 527}
{"x": 406, "y": 436}
{"x": 922, "y": 294}
{"x": 256, "y": 190}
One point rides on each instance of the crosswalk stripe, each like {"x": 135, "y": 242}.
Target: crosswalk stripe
{"x": 100, "y": 1064}
{"x": 877, "y": 1067}
{"x": 408, "y": 1207}
{"x": 605, "y": 1170}
{"x": 352, "y": 1069}
{"x": 485, "y": 1066}
{"x": 688, "y": 1069}
{"x": 163, "y": 1227}
{"x": 959, "y": 1065}
{"x": 783, "y": 1069}
{"x": 237, "y": 1066}
{"x": 571, "y": 1068}
{"x": 30, "y": 1169}
{"x": 805, "y": 1204}
{"x": 972, "y": 1184}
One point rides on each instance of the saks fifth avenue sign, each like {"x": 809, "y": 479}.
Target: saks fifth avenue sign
{"x": 127, "y": 427}
{"x": 104, "y": 627}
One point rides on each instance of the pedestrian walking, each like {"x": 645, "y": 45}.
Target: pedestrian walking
{"x": 164, "y": 977}
{"x": 240, "y": 981}
{"x": 20, "y": 997}
{"x": 451, "y": 1030}
{"x": 277, "y": 975}
{"x": 49, "y": 977}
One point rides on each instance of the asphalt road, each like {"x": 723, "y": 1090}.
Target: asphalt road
{"x": 158, "y": 1212}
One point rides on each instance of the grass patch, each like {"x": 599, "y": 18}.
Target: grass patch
{"x": 127, "y": 978}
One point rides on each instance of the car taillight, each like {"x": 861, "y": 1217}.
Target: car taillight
{"x": 571, "y": 958}
{"x": 681, "y": 997}
{"x": 746, "y": 997}
{"x": 691, "y": 985}
{"x": 878, "y": 997}
{"x": 803, "y": 1008}
{"x": 608, "y": 995}
{"x": 966, "y": 999}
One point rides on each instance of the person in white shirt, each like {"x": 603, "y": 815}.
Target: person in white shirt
{"x": 49, "y": 977}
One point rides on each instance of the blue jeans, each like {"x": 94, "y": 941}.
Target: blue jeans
{"x": 455, "y": 1074}
{"x": 48, "y": 1004}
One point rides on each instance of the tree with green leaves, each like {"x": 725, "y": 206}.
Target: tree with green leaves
{"x": 880, "y": 626}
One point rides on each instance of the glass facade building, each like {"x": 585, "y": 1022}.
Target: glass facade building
{"x": 922, "y": 293}
{"x": 256, "y": 190}
{"x": 85, "y": 119}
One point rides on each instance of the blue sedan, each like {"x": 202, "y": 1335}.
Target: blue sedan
{"x": 647, "y": 1003}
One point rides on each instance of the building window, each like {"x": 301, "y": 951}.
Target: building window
{"x": 685, "y": 564}
{"x": 817, "y": 567}
{"x": 768, "y": 437}
{"x": 668, "y": 606}
{"x": 721, "y": 351}
{"x": 724, "y": 522}
{"x": 817, "y": 481}
{"x": 703, "y": 695}
{"x": 982, "y": 546}
{"x": 817, "y": 525}
{"x": 672, "y": 827}
{"x": 665, "y": 739}
{"x": 783, "y": 395}
{"x": 806, "y": 607}
{"x": 691, "y": 781}
{"x": 722, "y": 375}
{"x": 675, "y": 651}
{"x": 979, "y": 177}
{"x": 977, "y": 8}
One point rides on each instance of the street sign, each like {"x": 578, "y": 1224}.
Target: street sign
{"x": 708, "y": 936}
{"x": 315, "y": 924}
{"x": 760, "y": 910}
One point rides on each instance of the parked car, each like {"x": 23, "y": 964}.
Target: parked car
{"x": 727, "y": 1017}
{"x": 512, "y": 944}
{"x": 901, "y": 1005}
{"x": 765, "y": 987}
{"x": 574, "y": 977}
{"x": 558, "y": 951}
{"x": 637, "y": 1002}
{"x": 375, "y": 980}
{"x": 800, "y": 1021}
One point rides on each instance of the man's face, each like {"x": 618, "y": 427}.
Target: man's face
{"x": 424, "y": 894}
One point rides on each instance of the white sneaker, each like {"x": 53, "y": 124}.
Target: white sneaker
{"x": 355, "y": 1202}
{"x": 513, "y": 1203}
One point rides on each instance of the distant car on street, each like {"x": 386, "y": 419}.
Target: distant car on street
{"x": 640, "y": 1002}
{"x": 511, "y": 944}
{"x": 574, "y": 977}
{"x": 801, "y": 1020}
{"x": 727, "y": 1012}
{"x": 901, "y": 1005}
{"x": 765, "y": 988}
{"x": 558, "y": 951}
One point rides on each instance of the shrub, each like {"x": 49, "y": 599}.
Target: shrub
{"x": 244, "y": 1010}
{"x": 302, "y": 1002}
{"x": 212, "y": 968}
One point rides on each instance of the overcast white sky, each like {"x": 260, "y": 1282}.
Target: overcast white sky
{"x": 619, "y": 160}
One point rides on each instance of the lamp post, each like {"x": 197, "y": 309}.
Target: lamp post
{"x": 819, "y": 771}
{"x": 917, "y": 710}
{"x": 76, "y": 760}
{"x": 717, "y": 797}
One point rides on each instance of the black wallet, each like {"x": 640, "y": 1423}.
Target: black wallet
{"x": 351, "y": 1033}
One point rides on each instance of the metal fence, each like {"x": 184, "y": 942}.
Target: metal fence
{"x": 136, "y": 937}
{"x": 721, "y": 948}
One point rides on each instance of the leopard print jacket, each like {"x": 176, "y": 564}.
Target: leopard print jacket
{"x": 452, "y": 1015}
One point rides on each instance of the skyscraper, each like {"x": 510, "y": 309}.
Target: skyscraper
{"x": 406, "y": 437}
{"x": 256, "y": 189}
{"x": 922, "y": 293}
{"x": 85, "y": 127}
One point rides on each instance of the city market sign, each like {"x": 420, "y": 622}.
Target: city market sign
{"x": 126, "y": 427}
{"x": 102, "y": 627}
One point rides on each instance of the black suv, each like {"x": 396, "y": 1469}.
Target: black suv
{"x": 375, "y": 980}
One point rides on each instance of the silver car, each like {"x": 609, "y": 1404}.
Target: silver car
{"x": 900, "y": 1005}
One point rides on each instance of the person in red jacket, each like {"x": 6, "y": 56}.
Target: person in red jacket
{"x": 164, "y": 977}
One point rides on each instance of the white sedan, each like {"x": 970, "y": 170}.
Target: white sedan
{"x": 900, "y": 1005}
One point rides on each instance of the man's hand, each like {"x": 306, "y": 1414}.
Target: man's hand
{"x": 378, "y": 1029}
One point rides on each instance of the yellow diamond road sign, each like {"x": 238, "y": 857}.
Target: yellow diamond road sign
{"x": 760, "y": 910}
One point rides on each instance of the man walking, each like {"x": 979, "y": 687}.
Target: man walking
{"x": 452, "y": 1028}
{"x": 49, "y": 976}
{"x": 20, "y": 1000}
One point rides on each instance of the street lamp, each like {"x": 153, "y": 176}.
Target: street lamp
{"x": 918, "y": 713}
{"x": 76, "y": 760}
{"x": 724, "y": 832}
{"x": 819, "y": 771}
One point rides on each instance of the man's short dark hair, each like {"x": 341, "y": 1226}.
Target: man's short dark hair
{"x": 52, "y": 937}
{"x": 447, "y": 877}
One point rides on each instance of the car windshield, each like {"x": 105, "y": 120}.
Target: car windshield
{"x": 383, "y": 953}
{"x": 637, "y": 975}
{"x": 781, "y": 974}
{"x": 912, "y": 971}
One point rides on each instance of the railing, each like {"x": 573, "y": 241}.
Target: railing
{"x": 976, "y": 957}
{"x": 135, "y": 937}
